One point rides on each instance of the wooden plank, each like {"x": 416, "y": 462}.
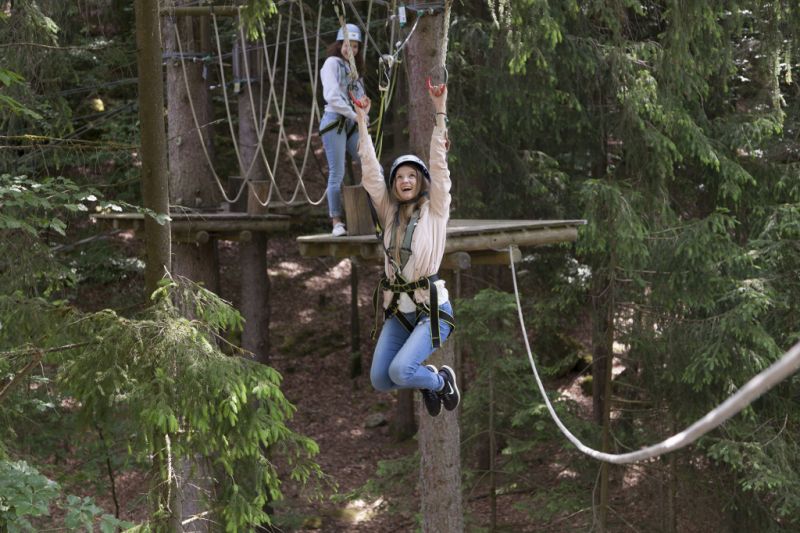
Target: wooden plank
{"x": 457, "y": 261}
{"x": 460, "y": 227}
{"x": 369, "y": 248}
{"x": 196, "y": 222}
{"x": 495, "y": 257}
{"x": 176, "y": 217}
{"x": 222, "y": 11}
{"x": 494, "y": 241}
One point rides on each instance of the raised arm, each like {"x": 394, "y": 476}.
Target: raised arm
{"x": 440, "y": 173}
{"x": 371, "y": 171}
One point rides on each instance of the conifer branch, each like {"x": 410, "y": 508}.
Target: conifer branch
{"x": 21, "y": 374}
{"x": 42, "y": 351}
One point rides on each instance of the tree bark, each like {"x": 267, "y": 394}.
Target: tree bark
{"x": 440, "y": 458}
{"x": 255, "y": 279}
{"x": 155, "y": 189}
{"x": 439, "y": 438}
{"x": 191, "y": 187}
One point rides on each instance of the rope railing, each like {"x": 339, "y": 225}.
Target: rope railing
{"x": 787, "y": 365}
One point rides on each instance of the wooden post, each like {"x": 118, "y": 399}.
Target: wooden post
{"x": 356, "y": 210}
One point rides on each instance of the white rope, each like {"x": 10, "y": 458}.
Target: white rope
{"x": 280, "y": 109}
{"x": 198, "y": 128}
{"x": 260, "y": 126}
{"x": 787, "y": 365}
{"x": 224, "y": 84}
{"x": 272, "y": 100}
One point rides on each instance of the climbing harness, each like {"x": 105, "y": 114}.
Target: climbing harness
{"x": 401, "y": 286}
{"x": 339, "y": 125}
{"x": 787, "y": 365}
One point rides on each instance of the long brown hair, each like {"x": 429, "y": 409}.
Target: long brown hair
{"x": 335, "y": 50}
{"x": 405, "y": 211}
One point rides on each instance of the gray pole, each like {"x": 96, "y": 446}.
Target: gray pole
{"x": 155, "y": 190}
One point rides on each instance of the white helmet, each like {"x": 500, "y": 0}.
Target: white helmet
{"x": 353, "y": 33}
{"x": 408, "y": 159}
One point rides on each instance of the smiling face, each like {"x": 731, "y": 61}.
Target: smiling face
{"x": 346, "y": 50}
{"x": 407, "y": 182}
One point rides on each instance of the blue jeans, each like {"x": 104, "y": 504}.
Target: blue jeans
{"x": 336, "y": 146}
{"x": 398, "y": 358}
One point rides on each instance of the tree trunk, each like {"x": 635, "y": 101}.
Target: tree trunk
{"x": 255, "y": 280}
{"x": 155, "y": 189}
{"x": 404, "y": 425}
{"x": 191, "y": 187}
{"x": 439, "y": 438}
{"x": 255, "y": 297}
{"x": 421, "y": 52}
{"x": 440, "y": 459}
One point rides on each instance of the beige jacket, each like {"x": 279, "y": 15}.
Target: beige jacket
{"x": 427, "y": 245}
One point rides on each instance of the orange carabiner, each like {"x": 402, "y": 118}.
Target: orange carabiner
{"x": 436, "y": 90}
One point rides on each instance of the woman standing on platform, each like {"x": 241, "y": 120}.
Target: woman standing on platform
{"x": 338, "y": 124}
{"x": 413, "y": 205}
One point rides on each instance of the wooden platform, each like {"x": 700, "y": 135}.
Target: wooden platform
{"x": 201, "y": 226}
{"x": 468, "y": 241}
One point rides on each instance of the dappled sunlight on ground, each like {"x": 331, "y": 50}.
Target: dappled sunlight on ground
{"x": 330, "y": 278}
{"x": 361, "y": 511}
{"x": 289, "y": 269}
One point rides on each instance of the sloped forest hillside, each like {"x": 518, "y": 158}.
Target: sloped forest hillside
{"x": 231, "y": 391}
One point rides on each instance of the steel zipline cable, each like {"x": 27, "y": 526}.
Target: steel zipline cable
{"x": 787, "y": 365}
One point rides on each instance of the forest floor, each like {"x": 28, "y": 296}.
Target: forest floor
{"x": 310, "y": 336}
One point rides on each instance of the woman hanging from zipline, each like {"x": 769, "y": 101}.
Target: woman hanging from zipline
{"x": 338, "y": 124}
{"x": 412, "y": 203}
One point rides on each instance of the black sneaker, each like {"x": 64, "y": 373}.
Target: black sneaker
{"x": 449, "y": 394}
{"x": 431, "y": 399}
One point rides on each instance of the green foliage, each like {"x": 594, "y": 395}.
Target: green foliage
{"x": 489, "y": 325}
{"x": 27, "y": 494}
{"x": 24, "y": 493}
{"x": 8, "y": 78}
{"x": 256, "y": 12}
{"x": 35, "y": 212}
{"x": 83, "y": 513}
{"x": 228, "y": 408}
{"x": 671, "y": 125}
{"x": 390, "y": 481}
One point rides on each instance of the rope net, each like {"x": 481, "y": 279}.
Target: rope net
{"x": 268, "y": 113}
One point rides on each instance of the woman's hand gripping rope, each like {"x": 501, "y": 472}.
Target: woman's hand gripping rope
{"x": 363, "y": 105}
{"x": 360, "y": 103}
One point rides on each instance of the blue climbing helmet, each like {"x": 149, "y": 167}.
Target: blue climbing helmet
{"x": 408, "y": 159}
{"x": 353, "y": 33}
